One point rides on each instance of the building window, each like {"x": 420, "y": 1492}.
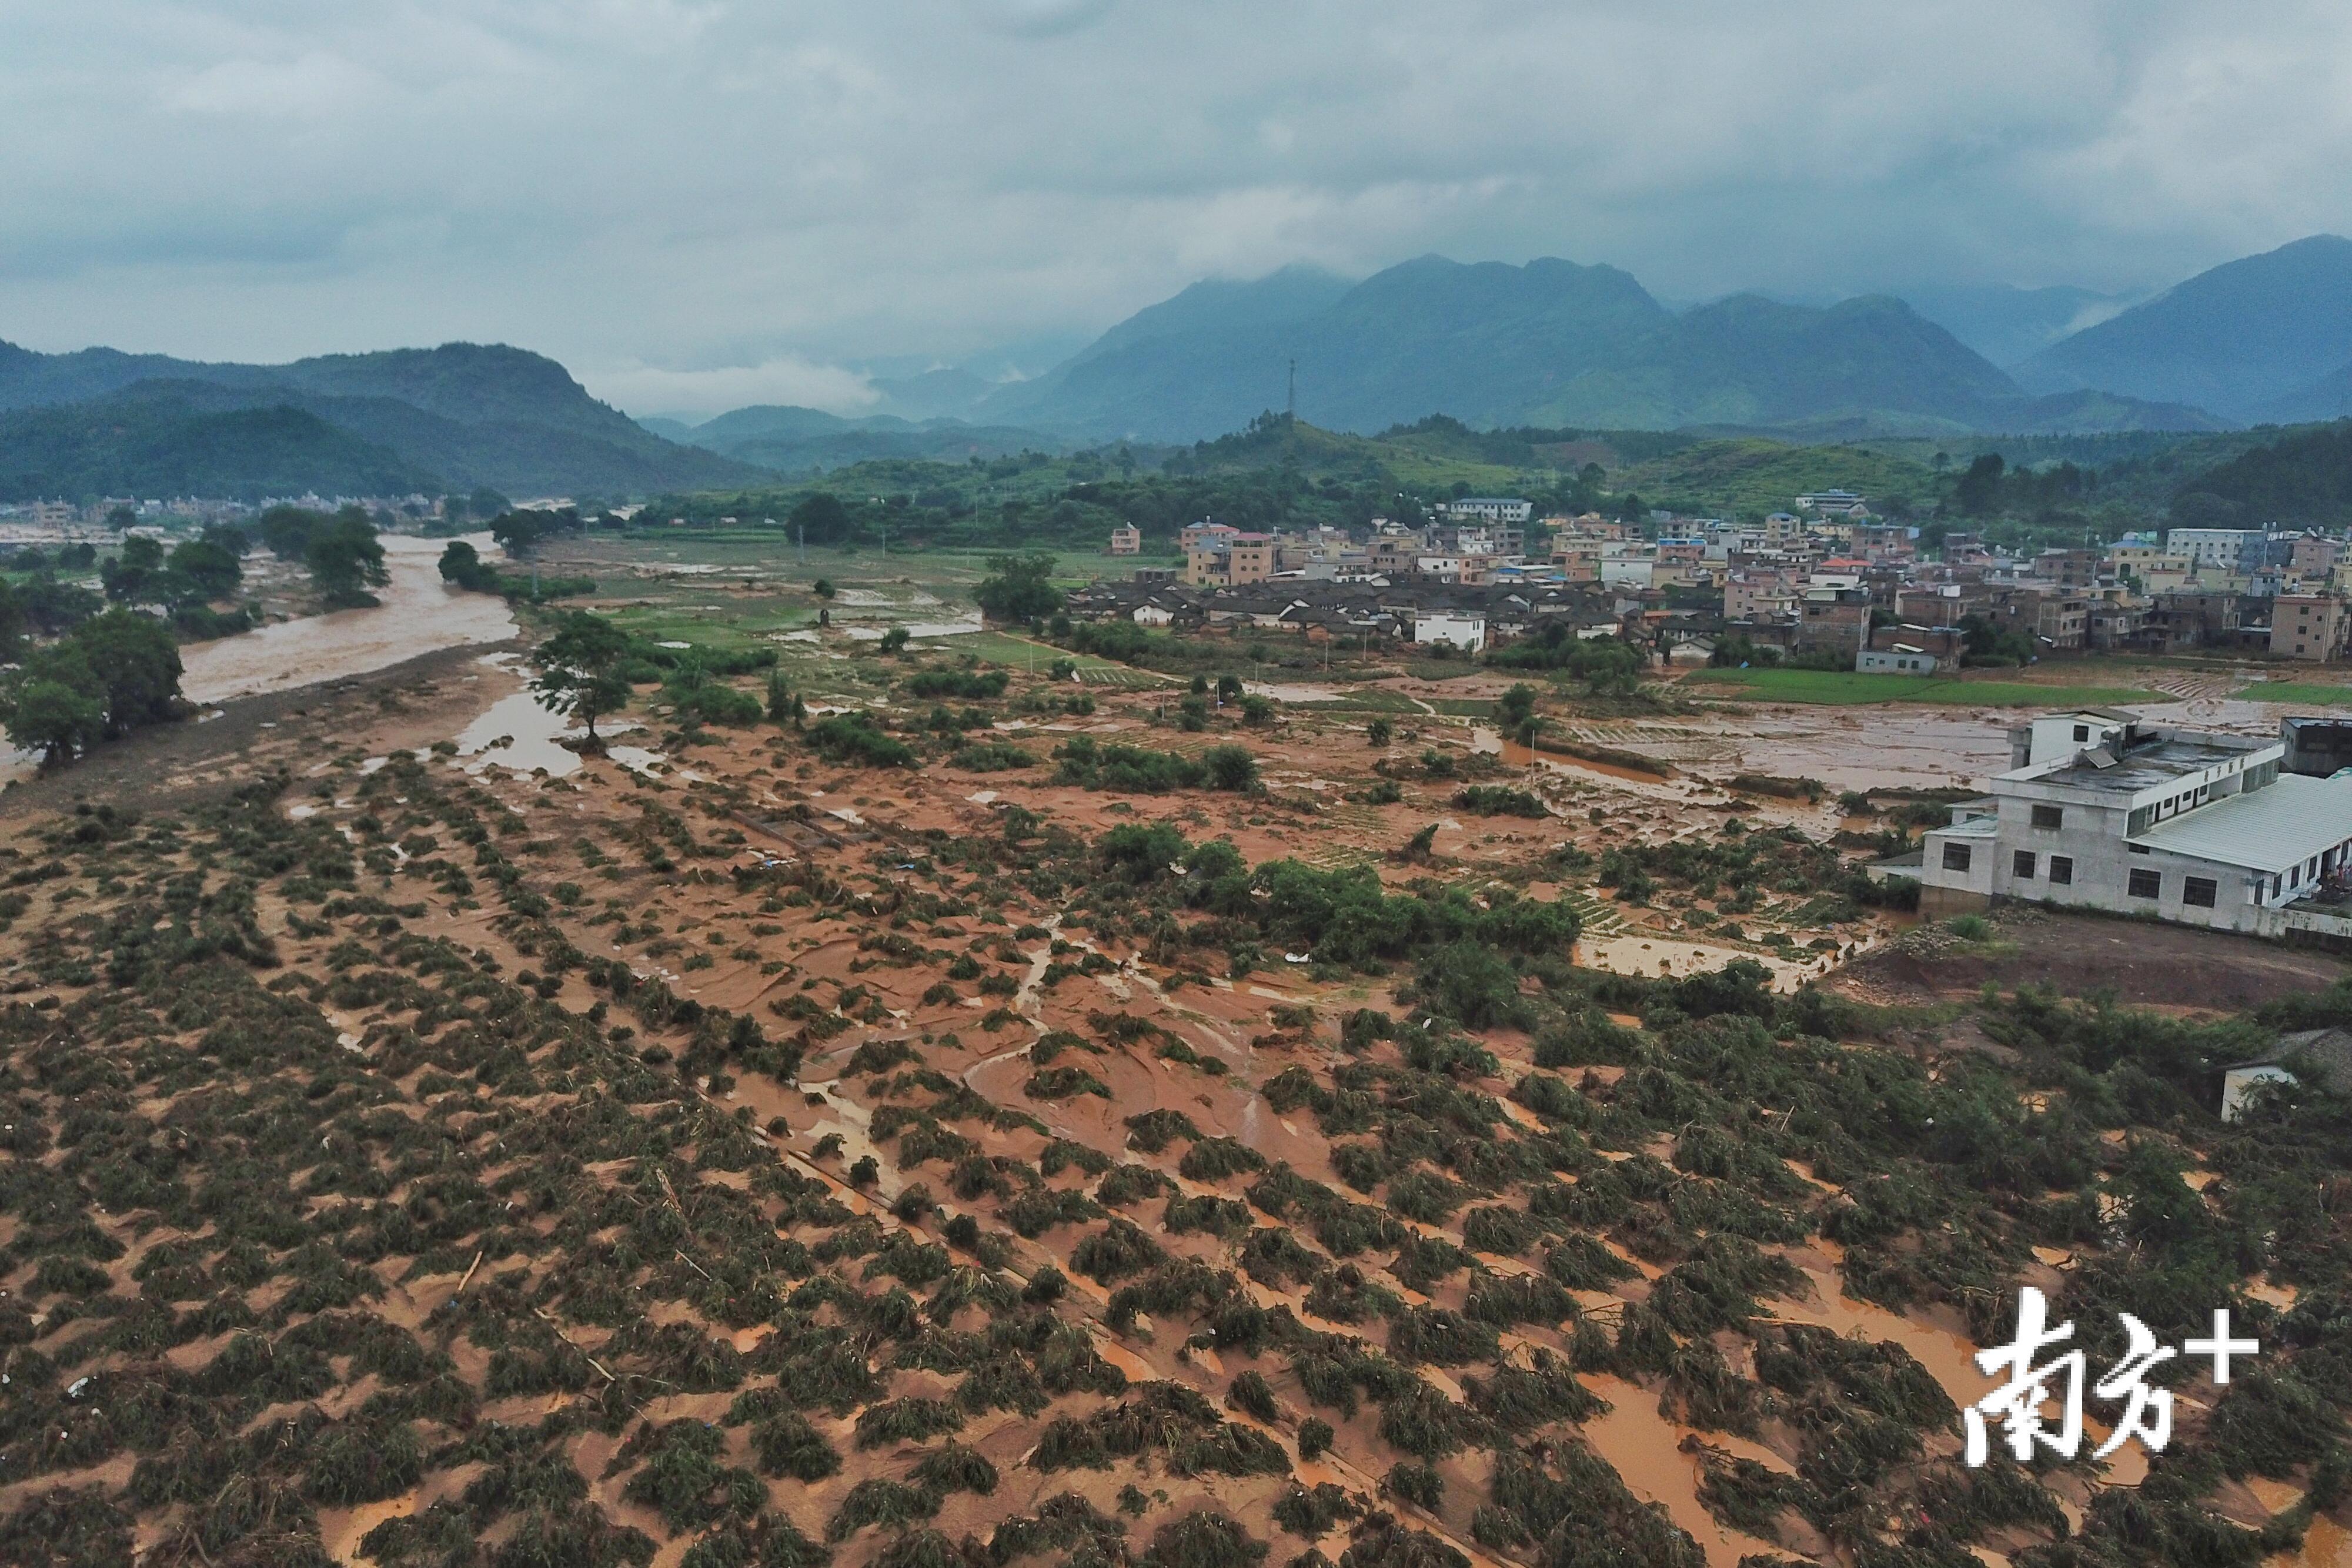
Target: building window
{"x": 2198, "y": 891}
{"x": 2048, "y": 815}
{"x": 2146, "y": 883}
{"x": 2082, "y": 732}
{"x": 2020, "y": 865}
{"x": 1955, "y": 857}
{"x": 2062, "y": 871}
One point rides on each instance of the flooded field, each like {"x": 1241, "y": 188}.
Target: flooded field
{"x": 742, "y": 1143}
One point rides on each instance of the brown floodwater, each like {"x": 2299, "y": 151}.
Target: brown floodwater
{"x": 418, "y": 614}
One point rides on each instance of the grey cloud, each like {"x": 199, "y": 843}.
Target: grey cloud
{"x": 1039, "y": 18}
{"x": 651, "y": 189}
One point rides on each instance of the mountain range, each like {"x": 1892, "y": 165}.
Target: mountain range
{"x": 1553, "y": 343}
{"x": 452, "y": 418}
{"x": 2267, "y": 338}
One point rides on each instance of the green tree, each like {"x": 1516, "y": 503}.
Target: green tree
{"x": 287, "y": 530}
{"x": 1378, "y": 731}
{"x": 1516, "y": 711}
{"x": 1230, "y": 767}
{"x": 16, "y": 618}
{"x": 783, "y": 703}
{"x": 821, "y": 519}
{"x": 462, "y": 564}
{"x": 521, "y": 533}
{"x": 895, "y": 639}
{"x": 1607, "y": 666}
{"x": 346, "y": 560}
{"x": 1978, "y": 489}
{"x": 136, "y": 665}
{"x": 579, "y": 668}
{"x": 134, "y": 574}
{"x": 56, "y": 705}
{"x": 55, "y": 608}
{"x": 54, "y": 719}
{"x": 1019, "y": 588}
{"x": 821, "y": 588}
{"x": 205, "y": 570}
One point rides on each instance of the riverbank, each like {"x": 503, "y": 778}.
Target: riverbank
{"x": 418, "y": 613}
{"x": 414, "y": 703}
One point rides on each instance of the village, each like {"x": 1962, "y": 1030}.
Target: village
{"x": 1825, "y": 582}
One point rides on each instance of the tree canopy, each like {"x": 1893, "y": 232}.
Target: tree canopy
{"x": 1019, "y": 587}
{"x": 110, "y": 676}
{"x": 580, "y": 668}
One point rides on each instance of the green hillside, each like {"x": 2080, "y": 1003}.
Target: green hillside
{"x": 2303, "y": 478}
{"x": 1743, "y": 478}
{"x": 468, "y": 414}
{"x": 137, "y": 445}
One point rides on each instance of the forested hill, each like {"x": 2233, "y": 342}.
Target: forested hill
{"x": 1551, "y": 343}
{"x": 456, "y": 417}
{"x": 2301, "y": 479}
{"x": 2266, "y": 337}
{"x": 138, "y": 444}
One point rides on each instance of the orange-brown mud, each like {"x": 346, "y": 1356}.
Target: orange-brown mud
{"x": 835, "y": 905}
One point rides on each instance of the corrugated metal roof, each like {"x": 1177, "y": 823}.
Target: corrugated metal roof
{"x": 2270, "y": 829}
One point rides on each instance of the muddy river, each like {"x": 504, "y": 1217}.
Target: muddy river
{"x": 419, "y": 615}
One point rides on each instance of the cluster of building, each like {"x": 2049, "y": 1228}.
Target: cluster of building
{"x": 1845, "y": 583}
{"x": 1826, "y": 578}
{"x": 67, "y": 518}
{"x": 1863, "y": 587}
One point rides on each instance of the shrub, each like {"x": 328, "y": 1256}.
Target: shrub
{"x": 1133, "y": 771}
{"x": 969, "y": 685}
{"x": 992, "y": 757}
{"x": 856, "y": 738}
{"x": 906, "y": 1420}
{"x": 879, "y": 1501}
{"x": 1206, "y": 1539}
{"x": 1499, "y": 800}
{"x": 785, "y": 1444}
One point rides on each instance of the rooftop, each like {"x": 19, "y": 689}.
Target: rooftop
{"x": 2327, "y": 1053}
{"x": 2147, "y": 767}
{"x": 2265, "y": 829}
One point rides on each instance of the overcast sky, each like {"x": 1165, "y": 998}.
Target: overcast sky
{"x": 699, "y": 204}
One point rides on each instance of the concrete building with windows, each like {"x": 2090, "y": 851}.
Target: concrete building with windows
{"x": 1464, "y": 629}
{"x": 2223, "y": 550}
{"x": 2309, "y": 626}
{"x": 1488, "y": 509}
{"x": 2101, "y": 810}
{"x": 1230, "y": 560}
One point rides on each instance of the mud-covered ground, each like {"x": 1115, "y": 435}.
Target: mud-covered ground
{"x": 717, "y": 1151}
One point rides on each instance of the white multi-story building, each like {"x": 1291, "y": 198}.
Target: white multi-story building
{"x": 2101, "y": 810}
{"x": 1466, "y": 630}
{"x": 1492, "y": 508}
{"x": 2218, "y": 550}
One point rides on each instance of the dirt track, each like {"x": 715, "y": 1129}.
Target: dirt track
{"x": 2143, "y": 964}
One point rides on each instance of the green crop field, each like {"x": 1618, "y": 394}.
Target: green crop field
{"x": 2314, "y": 694}
{"x": 1847, "y": 688}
